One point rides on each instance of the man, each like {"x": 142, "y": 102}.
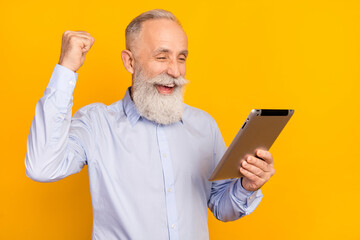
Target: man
{"x": 149, "y": 155}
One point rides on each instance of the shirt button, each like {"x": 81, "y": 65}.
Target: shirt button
{"x": 169, "y": 190}
{"x": 173, "y": 226}
{"x": 164, "y": 155}
{"x": 251, "y": 197}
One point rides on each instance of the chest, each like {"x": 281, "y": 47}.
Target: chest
{"x": 150, "y": 151}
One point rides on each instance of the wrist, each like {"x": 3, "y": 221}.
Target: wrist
{"x": 243, "y": 189}
{"x": 67, "y": 65}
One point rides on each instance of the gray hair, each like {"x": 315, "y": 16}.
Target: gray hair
{"x": 135, "y": 25}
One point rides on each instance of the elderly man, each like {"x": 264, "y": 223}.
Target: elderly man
{"x": 149, "y": 155}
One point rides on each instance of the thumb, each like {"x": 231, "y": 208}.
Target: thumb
{"x": 87, "y": 44}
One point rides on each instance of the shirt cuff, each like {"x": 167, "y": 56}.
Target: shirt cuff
{"x": 244, "y": 195}
{"x": 63, "y": 79}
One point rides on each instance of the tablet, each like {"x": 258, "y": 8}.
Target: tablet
{"x": 259, "y": 131}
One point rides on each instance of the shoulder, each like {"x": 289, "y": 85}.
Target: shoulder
{"x": 90, "y": 109}
{"x": 98, "y": 108}
{"x": 196, "y": 112}
{"x": 197, "y": 116}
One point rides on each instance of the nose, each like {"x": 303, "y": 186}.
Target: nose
{"x": 173, "y": 69}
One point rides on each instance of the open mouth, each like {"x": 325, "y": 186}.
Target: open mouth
{"x": 165, "y": 89}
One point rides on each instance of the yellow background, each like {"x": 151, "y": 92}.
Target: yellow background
{"x": 243, "y": 54}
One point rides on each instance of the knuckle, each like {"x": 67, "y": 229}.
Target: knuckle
{"x": 67, "y": 33}
{"x": 73, "y": 38}
{"x": 263, "y": 164}
{"x": 256, "y": 171}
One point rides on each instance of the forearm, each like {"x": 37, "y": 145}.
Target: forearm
{"x": 49, "y": 148}
{"x": 230, "y": 201}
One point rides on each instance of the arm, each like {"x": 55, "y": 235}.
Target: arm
{"x": 57, "y": 144}
{"x": 228, "y": 199}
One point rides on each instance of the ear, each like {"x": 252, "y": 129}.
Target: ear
{"x": 128, "y": 60}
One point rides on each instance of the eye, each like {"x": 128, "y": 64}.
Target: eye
{"x": 182, "y": 58}
{"x": 161, "y": 58}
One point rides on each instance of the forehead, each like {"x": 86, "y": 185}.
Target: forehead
{"x": 162, "y": 33}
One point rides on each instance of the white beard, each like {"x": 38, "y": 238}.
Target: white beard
{"x": 157, "y": 107}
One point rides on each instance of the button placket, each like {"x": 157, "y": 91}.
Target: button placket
{"x": 168, "y": 175}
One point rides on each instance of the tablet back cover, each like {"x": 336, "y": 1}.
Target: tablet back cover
{"x": 259, "y": 131}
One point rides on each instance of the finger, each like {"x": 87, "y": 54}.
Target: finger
{"x": 266, "y": 155}
{"x": 86, "y": 40}
{"x": 252, "y": 177}
{"x": 89, "y": 41}
{"x": 258, "y": 163}
{"x": 253, "y": 169}
{"x": 70, "y": 36}
{"x": 77, "y": 33}
{"x": 83, "y": 32}
{"x": 86, "y": 44}
{"x": 84, "y": 36}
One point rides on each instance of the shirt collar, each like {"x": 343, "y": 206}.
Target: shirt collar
{"x": 130, "y": 109}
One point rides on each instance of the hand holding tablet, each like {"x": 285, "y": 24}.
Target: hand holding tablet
{"x": 258, "y": 132}
{"x": 257, "y": 170}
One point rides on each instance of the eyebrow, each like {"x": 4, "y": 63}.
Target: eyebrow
{"x": 185, "y": 52}
{"x": 165, "y": 50}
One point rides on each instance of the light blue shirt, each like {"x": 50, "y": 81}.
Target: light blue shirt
{"x": 147, "y": 180}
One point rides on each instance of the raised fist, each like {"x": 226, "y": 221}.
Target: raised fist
{"x": 74, "y": 47}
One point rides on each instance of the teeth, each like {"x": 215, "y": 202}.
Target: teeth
{"x": 169, "y": 85}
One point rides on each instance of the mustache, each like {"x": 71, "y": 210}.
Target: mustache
{"x": 166, "y": 80}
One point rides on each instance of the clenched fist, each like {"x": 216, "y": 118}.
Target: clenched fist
{"x": 74, "y": 47}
